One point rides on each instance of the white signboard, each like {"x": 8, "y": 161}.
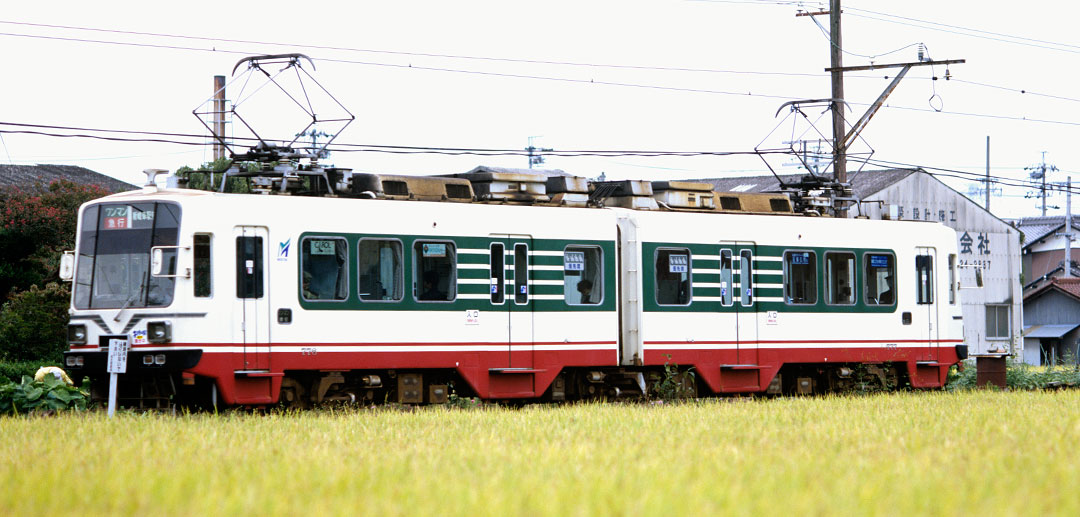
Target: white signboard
{"x": 574, "y": 261}
{"x": 472, "y": 317}
{"x": 679, "y": 264}
{"x": 118, "y": 352}
{"x": 323, "y": 247}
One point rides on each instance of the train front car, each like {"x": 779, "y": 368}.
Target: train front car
{"x": 125, "y": 288}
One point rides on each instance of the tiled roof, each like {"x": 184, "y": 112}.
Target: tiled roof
{"x": 864, "y": 184}
{"x": 1035, "y": 228}
{"x": 29, "y": 176}
{"x": 1069, "y": 286}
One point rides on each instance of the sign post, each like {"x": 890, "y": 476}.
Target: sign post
{"x": 117, "y": 364}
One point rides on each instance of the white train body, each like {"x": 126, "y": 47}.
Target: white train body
{"x": 317, "y": 298}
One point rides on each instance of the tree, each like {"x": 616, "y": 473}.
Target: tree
{"x": 208, "y": 176}
{"x": 35, "y": 228}
{"x": 33, "y": 324}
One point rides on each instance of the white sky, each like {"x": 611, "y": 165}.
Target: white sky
{"x": 95, "y": 85}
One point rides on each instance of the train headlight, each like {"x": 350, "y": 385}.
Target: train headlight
{"x": 77, "y": 334}
{"x": 147, "y": 359}
{"x": 159, "y": 331}
{"x": 73, "y": 361}
{"x": 159, "y": 359}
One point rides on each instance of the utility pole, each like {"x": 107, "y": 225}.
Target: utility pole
{"x": 1039, "y": 172}
{"x": 535, "y": 158}
{"x": 836, "y": 63}
{"x": 219, "y": 117}
{"x": 1068, "y": 227}
{"x": 987, "y": 173}
{"x": 842, "y": 138}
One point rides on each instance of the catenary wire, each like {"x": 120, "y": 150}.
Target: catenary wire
{"x": 535, "y": 77}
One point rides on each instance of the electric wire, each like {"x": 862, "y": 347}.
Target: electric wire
{"x": 509, "y": 75}
{"x": 451, "y": 151}
{"x": 389, "y": 52}
{"x": 199, "y": 139}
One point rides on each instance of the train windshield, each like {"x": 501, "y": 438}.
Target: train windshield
{"x": 113, "y": 267}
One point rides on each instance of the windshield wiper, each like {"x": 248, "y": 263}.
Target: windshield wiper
{"x": 130, "y": 299}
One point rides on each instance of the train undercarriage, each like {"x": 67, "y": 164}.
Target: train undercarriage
{"x": 310, "y": 389}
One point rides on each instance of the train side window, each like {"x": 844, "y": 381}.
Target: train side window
{"x": 726, "y": 296}
{"x": 673, "y": 286}
{"x": 521, "y": 273}
{"x": 952, "y": 279}
{"x": 498, "y": 273}
{"x": 583, "y": 278}
{"x": 324, "y": 268}
{"x": 249, "y": 267}
{"x": 800, "y": 277}
{"x": 839, "y": 278}
{"x": 879, "y": 280}
{"x": 380, "y": 270}
{"x": 924, "y": 272}
{"x": 436, "y": 271}
{"x": 201, "y": 271}
{"x": 746, "y": 277}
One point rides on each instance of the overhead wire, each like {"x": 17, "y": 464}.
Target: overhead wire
{"x": 458, "y": 151}
{"x": 199, "y": 139}
{"x": 487, "y": 73}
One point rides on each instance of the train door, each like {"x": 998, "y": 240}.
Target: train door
{"x": 517, "y": 302}
{"x": 926, "y": 298}
{"x": 744, "y": 303}
{"x": 738, "y": 316}
{"x": 728, "y": 318}
{"x": 251, "y": 326}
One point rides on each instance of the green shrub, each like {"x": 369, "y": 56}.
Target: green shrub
{"x": 49, "y": 393}
{"x": 1019, "y": 376}
{"x": 33, "y": 324}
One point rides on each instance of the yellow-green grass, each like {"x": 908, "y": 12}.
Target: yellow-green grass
{"x": 938, "y": 453}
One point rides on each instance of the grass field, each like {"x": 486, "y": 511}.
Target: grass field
{"x": 939, "y": 453}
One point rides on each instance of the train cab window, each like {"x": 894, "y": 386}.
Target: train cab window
{"x": 800, "y": 277}
{"x": 879, "y": 280}
{"x": 673, "y": 286}
{"x": 746, "y": 277}
{"x": 498, "y": 273}
{"x": 200, "y": 274}
{"x": 839, "y": 278}
{"x": 436, "y": 271}
{"x": 324, "y": 268}
{"x": 924, "y": 273}
{"x": 380, "y": 270}
{"x": 583, "y": 279}
{"x": 726, "y": 284}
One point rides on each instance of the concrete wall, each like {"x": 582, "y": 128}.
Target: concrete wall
{"x": 984, "y": 241}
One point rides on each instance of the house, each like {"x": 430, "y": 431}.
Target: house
{"x": 1052, "y": 316}
{"x": 1044, "y": 249}
{"x": 30, "y": 176}
{"x": 993, "y": 316}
